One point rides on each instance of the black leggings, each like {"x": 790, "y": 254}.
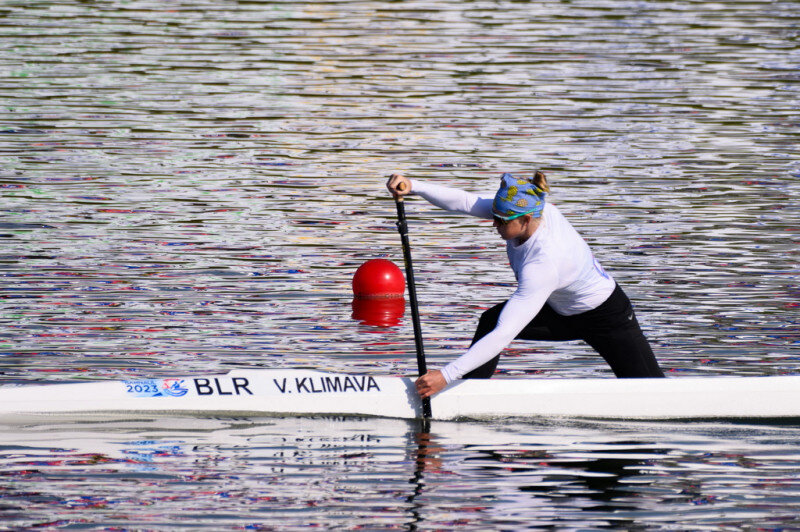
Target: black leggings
{"x": 611, "y": 329}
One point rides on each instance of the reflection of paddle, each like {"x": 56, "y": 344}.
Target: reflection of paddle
{"x": 402, "y": 226}
{"x": 423, "y": 459}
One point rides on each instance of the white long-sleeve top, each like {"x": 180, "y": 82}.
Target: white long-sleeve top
{"x": 554, "y": 266}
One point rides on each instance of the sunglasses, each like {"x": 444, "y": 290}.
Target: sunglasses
{"x": 505, "y": 220}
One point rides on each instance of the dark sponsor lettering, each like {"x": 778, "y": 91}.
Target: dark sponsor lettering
{"x": 220, "y": 390}
{"x": 372, "y": 384}
{"x": 241, "y": 383}
{"x": 202, "y": 387}
{"x": 330, "y": 384}
{"x": 301, "y": 385}
{"x": 240, "y": 386}
{"x": 281, "y": 385}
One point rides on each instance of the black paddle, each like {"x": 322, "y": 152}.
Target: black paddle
{"x": 402, "y": 226}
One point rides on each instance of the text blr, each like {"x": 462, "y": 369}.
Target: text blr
{"x": 214, "y": 386}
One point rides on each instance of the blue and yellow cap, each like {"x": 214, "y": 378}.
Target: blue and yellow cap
{"x": 517, "y": 197}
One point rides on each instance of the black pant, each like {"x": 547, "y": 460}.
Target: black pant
{"x": 611, "y": 329}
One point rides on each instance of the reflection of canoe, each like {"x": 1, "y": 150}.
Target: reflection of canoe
{"x": 311, "y": 392}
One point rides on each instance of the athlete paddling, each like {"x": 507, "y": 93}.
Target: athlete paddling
{"x": 562, "y": 291}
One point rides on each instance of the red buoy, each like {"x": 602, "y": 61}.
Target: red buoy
{"x": 378, "y": 278}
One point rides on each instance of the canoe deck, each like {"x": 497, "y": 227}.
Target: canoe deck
{"x": 303, "y": 392}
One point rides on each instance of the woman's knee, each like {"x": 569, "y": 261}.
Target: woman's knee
{"x": 630, "y": 356}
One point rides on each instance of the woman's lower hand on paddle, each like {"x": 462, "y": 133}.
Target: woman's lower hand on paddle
{"x": 431, "y": 383}
{"x": 398, "y": 185}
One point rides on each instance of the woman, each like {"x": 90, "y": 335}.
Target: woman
{"x": 562, "y": 291}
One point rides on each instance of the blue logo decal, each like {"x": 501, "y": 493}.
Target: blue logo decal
{"x": 174, "y": 387}
{"x": 157, "y": 388}
{"x": 149, "y": 388}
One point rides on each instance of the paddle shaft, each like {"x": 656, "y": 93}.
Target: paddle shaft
{"x": 402, "y": 227}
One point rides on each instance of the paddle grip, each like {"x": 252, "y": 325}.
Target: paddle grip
{"x": 401, "y": 187}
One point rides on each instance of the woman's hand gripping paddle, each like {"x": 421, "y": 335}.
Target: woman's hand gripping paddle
{"x": 402, "y": 226}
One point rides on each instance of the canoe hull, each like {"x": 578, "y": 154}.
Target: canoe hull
{"x": 302, "y": 392}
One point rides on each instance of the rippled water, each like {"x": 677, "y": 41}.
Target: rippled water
{"x": 353, "y": 473}
{"x": 190, "y": 186}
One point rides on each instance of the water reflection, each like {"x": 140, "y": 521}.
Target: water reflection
{"x": 377, "y": 472}
{"x": 426, "y": 458}
{"x": 384, "y": 312}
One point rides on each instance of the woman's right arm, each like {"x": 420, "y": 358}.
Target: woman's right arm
{"x": 450, "y": 199}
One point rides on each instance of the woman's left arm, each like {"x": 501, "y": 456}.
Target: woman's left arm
{"x": 537, "y": 282}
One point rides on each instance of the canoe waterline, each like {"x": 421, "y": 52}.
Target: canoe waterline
{"x": 305, "y": 392}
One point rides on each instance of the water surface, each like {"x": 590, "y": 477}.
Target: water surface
{"x": 189, "y": 186}
{"x": 389, "y": 474}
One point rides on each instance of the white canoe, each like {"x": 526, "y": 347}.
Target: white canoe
{"x": 302, "y": 392}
